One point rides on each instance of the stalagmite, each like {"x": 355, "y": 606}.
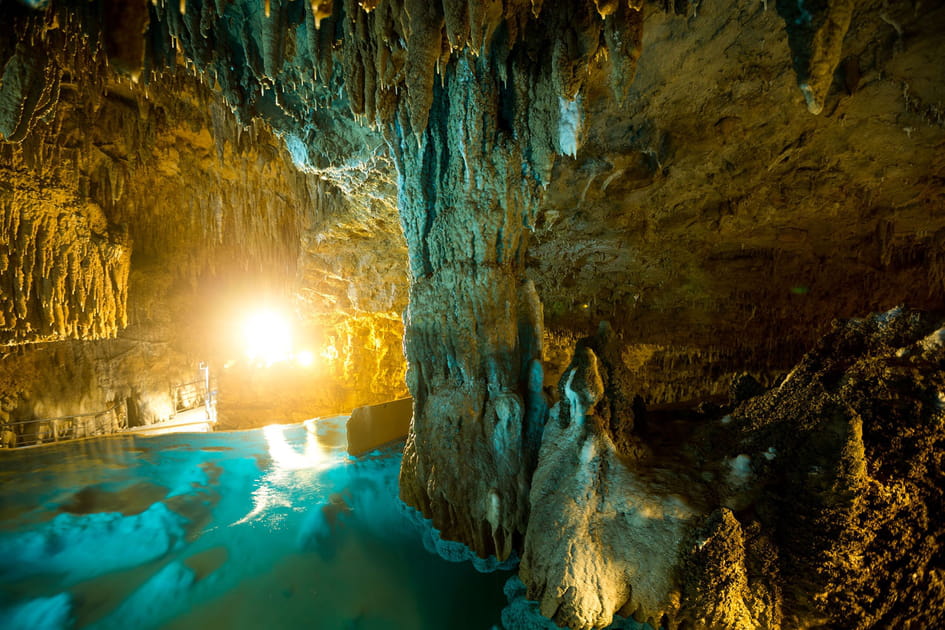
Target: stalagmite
{"x": 665, "y": 543}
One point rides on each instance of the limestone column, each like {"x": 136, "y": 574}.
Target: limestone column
{"x": 474, "y": 323}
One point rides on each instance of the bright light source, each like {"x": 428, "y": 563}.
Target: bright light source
{"x": 330, "y": 353}
{"x": 305, "y": 358}
{"x": 268, "y": 337}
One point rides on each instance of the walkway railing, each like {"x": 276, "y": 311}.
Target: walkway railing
{"x": 185, "y": 397}
{"x": 45, "y": 430}
{"x": 196, "y": 394}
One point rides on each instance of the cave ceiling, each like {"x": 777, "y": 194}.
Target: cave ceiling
{"x": 713, "y": 210}
{"x": 704, "y": 205}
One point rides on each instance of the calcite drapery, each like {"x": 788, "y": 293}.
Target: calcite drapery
{"x": 64, "y": 272}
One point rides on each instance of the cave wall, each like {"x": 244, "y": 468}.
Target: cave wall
{"x": 134, "y": 210}
{"x": 732, "y": 224}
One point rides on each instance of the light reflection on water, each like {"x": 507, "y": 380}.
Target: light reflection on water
{"x": 274, "y": 528}
{"x": 283, "y": 477}
{"x": 285, "y": 457}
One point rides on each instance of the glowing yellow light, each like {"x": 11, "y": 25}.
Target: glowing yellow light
{"x": 268, "y": 337}
{"x": 305, "y": 358}
{"x": 330, "y": 353}
{"x": 286, "y": 457}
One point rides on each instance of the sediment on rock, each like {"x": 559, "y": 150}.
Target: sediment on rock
{"x": 762, "y": 516}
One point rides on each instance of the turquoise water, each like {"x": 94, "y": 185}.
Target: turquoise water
{"x": 270, "y": 528}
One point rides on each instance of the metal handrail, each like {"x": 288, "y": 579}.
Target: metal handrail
{"x": 47, "y": 430}
{"x": 202, "y": 394}
{"x": 78, "y": 415}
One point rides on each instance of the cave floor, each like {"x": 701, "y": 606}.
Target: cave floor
{"x": 273, "y": 527}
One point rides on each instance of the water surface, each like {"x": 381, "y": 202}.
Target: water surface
{"x": 270, "y": 528}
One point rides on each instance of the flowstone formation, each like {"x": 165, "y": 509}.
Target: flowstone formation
{"x": 817, "y": 502}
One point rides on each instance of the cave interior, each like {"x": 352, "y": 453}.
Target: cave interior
{"x": 665, "y": 280}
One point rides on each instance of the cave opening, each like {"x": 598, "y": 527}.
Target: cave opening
{"x": 649, "y": 297}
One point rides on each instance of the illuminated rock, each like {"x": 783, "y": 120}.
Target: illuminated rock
{"x": 507, "y": 175}
{"x": 377, "y": 425}
{"x": 767, "y": 517}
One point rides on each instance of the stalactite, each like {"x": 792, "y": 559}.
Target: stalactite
{"x": 484, "y": 19}
{"x": 827, "y": 50}
{"x": 475, "y": 100}
{"x": 27, "y": 88}
{"x": 456, "y": 22}
{"x": 68, "y": 278}
{"x": 272, "y": 40}
{"x": 623, "y": 35}
{"x": 321, "y": 9}
{"x": 423, "y": 50}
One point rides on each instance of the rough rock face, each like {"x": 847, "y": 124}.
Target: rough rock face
{"x": 719, "y": 181}
{"x": 817, "y": 502}
{"x": 856, "y": 432}
{"x": 472, "y": 153}
{"x": 716, "y": 223}
{"x": 473, "y": 327}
